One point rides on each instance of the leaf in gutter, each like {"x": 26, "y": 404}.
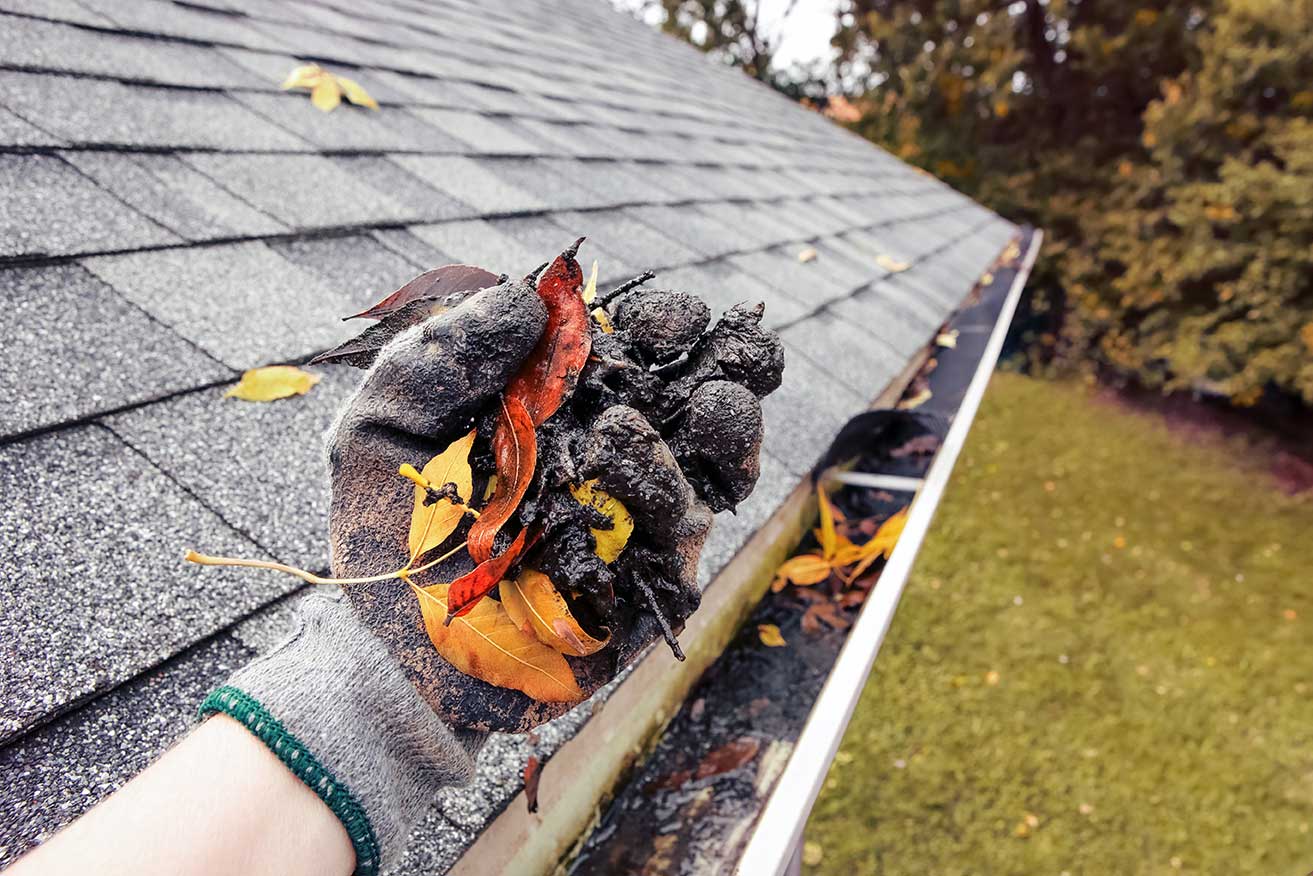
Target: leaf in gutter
{"x": 828, "y": 536}
{"x": 515, "y": 451}
{"x": 535, "y": 604}
{"x": 770, "y": 636}
{"x": 728, "y": 757}
{"x": 807, "y": 255}
{"x": 439, "y": 282}
{"x": 355, "y": 93}
{"x": 610, "y": 542}
{"x": 881, "y": 544}
{"x": 947, "y": 339}
{"x": 916, "y": 399}
{"x": 468, "y": 590}
{"x": 433, "y": 523}
{"x": 891, "y": 264}
{"x": 486, "y": 644}
{"x": 803, "y": 570}
{"x": 271, "y": 383}
{"x": 826, "y": 612}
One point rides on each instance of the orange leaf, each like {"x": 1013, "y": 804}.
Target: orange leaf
{"x": 486, "y": 644}
{"x": 515, "y": 449}
{"x": 431, "y": 525}
{"x": 470, "y": 588}
{"x": 804, "y": 569}
{"x": 882, "y": 543}
{"x": 548, "y": 375}
{"x": 536, "y": 606}
{"x": 770, "y": 636}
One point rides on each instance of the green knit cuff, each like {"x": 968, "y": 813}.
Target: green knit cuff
{"x": 243, "y": 707}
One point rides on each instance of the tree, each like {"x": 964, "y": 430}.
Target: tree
{"x": 735, "y": 30}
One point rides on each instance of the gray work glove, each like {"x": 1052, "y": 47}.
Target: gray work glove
{"x": 341, "y": 695}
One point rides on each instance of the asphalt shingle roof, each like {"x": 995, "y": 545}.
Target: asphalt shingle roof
{"x": 170, "y": 218}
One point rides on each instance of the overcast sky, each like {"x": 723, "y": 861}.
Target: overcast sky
{"x": 803, "y": 37}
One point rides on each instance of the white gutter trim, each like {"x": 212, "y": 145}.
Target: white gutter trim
{"x": 779, "y": 829}
{"x": 893, "y": 483}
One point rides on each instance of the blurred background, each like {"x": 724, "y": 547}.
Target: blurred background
{"x": 1100, "y": 664}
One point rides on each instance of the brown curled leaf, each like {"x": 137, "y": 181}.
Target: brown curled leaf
{"x": 533, "y": 602}
{"x": 436, "y": 283}
{"x": 469, "y": 589}
{"x": 549, "y": 374}
{"x": 486, "y": 644}
{"x": 532, "y": 772}
{"x": 515, "y": 450}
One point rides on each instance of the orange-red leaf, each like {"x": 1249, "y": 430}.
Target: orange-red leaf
{"x": 515, "y": 450}
{"x": 468, "y": 589}
{"x": 431, "y": 284}
{"x": 535, "y": 604}
{"x": 549, "y": 374}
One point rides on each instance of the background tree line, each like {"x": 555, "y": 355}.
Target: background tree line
{"x": 1165, "y": 147}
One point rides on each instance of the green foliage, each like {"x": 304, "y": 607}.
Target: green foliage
{"x": 1151, "y": 707}
{"x": 1164, "y": 146}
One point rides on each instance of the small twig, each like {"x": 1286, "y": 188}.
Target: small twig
{"x": 532, "y": 276}
{"x": 604, "y": 300}
{"x": 309, "y": 578}
{"x": 661, "y": 619}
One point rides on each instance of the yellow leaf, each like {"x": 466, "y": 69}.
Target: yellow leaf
{"x": 610, "y": 542}
{"x": 590, "y": 289}
{"x": 770, "y": 636}
{"x": 949, "y": 338}
{"x": 828, "y": 536}
{"x": 486, "y": 644}
{"x": 326, "y": 95}
{"x": 603, "y": 320}
{"x": 891, "y": 264}
{"x": 306, "y": 76}
{"x": 490, "y": 488}
{"x": 807, "y": 255}
{"x": 915, "y": 401}
{"x": 882, "y": 543}
{"x": 431, "y": 525}
{"x": 535, "y": 605}
{"x": 1306, "y": 335}
{"x": 355, "y": 93}
{"x": 272, "y": 382}
{"x": 804, "y": 569}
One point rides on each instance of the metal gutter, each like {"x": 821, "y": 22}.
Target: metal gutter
{"x": 773, "y": 846}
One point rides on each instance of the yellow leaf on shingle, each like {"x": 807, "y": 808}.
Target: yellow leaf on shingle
{"x": 306, "y": 76}
{"x": 891, "y": 264}
{"x": 272, "y": 383}
{"x": 326, "y": 94}
{"x": 355, "y": 93}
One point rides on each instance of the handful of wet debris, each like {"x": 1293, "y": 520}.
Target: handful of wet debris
{"x": 574, "y": 461}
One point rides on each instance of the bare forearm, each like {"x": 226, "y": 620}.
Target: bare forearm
{"x": 219, "y": 802}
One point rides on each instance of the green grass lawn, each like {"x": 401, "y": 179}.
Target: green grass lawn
{"x": 1102, "y": 664}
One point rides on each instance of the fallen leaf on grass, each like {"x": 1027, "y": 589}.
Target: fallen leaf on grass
{"x": 728, "y": 757}
{"x": 487, "y": 645}
{"x": 891, "y": 264}
{"x": 515, "y": 450}
{"x": 272, "y": 383}
{"x": 770, "y": 636}
{"x": 327, "y": 89}
{"x": 534, "y": 603}
{"x": 433, "y": 523}
{"x": 610, "y": 542}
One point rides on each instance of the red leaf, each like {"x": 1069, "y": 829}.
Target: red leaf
{"x": 431, "y": 284}
{"x": 729, "y": 756}
{"x": 549, "y": 374}
{"x": 532, "y": 772}
{"x": 466, "y": 591}
{"x": 515, "y": 449}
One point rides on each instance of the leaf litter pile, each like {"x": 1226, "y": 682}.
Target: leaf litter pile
{"x": 535, "y": 495}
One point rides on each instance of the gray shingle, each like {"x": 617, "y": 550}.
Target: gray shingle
{"x": 103, "y": 112}
{"x": 472, "y": 182}
{"x": 481, "y": 135}
{"x": 174, "y": 19}
{"x": 16, "y": 132}
{"x": 61, "y": 10}
{"x": 357, "y": 267}
{"x": 634, "y": 241}
{"x": 421, "y": 199}
{"x": 51, "y": 209}
{"x": 548, "y": 236}
{"x": 723, "y": 285}
{"x": 122, "y": 356}
{"x": 410, "y": 247}
{"x": 60, "y": 771}
{"x": 304, "y": 191}
{"x": 697, "y": 232}
{"x": 174, "y": 195}
{"x": 93, "y": 577}
{"x": 348, "y": 127}
{"x": 806, "y": 412}
{"x": 477, "y": 242}
{"x": 260, "y": 466}
{"x": 889, "y": 314}
{"x": 242, "y": 303}
{"x": 850, "y": 352}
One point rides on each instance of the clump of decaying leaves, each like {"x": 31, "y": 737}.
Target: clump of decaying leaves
{"x": 840, "y": 572}
{"x": 550, "y": 590}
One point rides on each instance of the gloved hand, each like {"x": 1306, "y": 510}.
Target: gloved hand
{"x": 666, "y": 418}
